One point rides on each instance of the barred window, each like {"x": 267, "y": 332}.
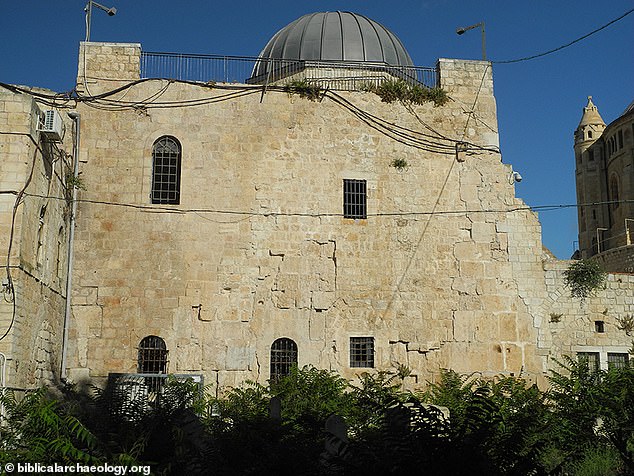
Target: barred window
{"x": 354, "y": 198}
{"x": 618, "y": 361}
{"x": 283, "y": 357}
{"x": 152, "y": 355}
{"x": 361, "y": 351}
{"x": 592, "y": 358}
{"x": 166, "y": 171}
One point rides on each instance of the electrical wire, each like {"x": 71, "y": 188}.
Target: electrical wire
{"x": 559, "y": 48}
{"x": 183, "y": 211}
{"x": 18, "y": 200}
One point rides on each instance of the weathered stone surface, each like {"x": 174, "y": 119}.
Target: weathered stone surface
{"x": 258, "y": 250}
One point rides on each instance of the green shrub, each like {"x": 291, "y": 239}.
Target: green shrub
{"x": 584, "y": 277}
{"x": 398, "y": 90}
{"x": 304, "y": 89}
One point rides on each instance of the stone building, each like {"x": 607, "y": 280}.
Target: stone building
{"x": 229, "y": 229}
{"x": 605, "y": 187}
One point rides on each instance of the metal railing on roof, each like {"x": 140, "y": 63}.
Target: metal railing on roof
{"x": 338, "y": 75}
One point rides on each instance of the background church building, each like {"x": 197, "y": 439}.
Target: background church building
{"x": 181, "y": 215}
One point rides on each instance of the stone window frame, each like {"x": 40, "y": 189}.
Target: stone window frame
{"x": 152, "y": 355}
{"x": 355, "y": 199}
{"x": 602, "y": 351}
{"x": 284, "y": 354}
{"x": 362, "y": 350}
{"x": 166, "y": 175}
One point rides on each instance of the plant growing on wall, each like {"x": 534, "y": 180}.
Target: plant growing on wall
{"x": 584, "y": 277}
{"x": 626, "y": 323}
{"x": 399, "y": 90}
{"x": 74, "y": 181}
{"x": 399, "y": 164}
{"x": 304, "y": 89}
{"x": 555, "y": 317}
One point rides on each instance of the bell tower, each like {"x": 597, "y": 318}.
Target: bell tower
{"x": 589, "y": 162}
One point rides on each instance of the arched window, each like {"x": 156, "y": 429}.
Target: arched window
{"x": 166, "y": 171}
{"x": 152, "y": 355}
{"x": 614, "y": 191}
{"x": 283, "y": 357}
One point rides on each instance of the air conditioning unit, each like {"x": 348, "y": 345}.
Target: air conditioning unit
{"x": 52, "y": 126}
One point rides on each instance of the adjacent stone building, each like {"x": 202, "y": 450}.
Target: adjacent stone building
{"x": 231, "y": 229}
{"x": 605, "y": 187}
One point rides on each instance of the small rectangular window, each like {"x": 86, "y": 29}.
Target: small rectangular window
{"x": 591, "y": 155}
{"x": 361, "y": 351}
{"x": 599, "y": 326}
{"x": 592, "y": 358}
{"x": 354, "y": 199}
{"x": 618, "y": 361}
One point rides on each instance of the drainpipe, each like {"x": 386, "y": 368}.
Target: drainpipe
{"x": 3, "y": 370}
{"x": 3, "y": 376}
{"x": 71, "y": 238}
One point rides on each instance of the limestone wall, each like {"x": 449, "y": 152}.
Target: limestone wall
{"x": 439, "y": 273}
{"x": 447, "y": 271}
{"x": 105, "y": 66}
{"x": 31, "y": 314}
{"x": 569, "y": 325}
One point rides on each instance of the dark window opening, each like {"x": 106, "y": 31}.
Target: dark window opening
{"x": 361, "y": 351}
{"x": 591, "y": 358}
{"x": 620, "y": 139}
{"x": 166, "y": 171}
{"x": 618, "y": 361}
{"x": 591, "y": 155}
{"x": 614, "y": 192}
{"x": 152, "y": 356}
{"x": 599, "y": 326}
{"x": 354, "y": 199}
{"x": 283, "y": 357}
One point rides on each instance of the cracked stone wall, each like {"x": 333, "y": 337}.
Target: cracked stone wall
{"x": 447, "y": 271}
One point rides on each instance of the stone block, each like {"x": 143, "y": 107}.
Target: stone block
{"x": 323, "y": 300}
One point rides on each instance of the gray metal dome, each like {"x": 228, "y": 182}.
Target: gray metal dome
{"x": 336, "y": 36}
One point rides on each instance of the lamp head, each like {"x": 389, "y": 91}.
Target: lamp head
{"x": 460, "y": 31}
{"x": 112, "y": 11}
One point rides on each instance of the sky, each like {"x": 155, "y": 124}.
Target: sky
{"x": 539, "y": 101}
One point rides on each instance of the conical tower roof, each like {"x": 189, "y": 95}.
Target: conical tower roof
{"x": 591, "y": 115}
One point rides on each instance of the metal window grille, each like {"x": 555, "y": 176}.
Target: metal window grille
{"x": 361, "y": 351}
{"x": 592, "y": 358}
{"x": 128, "y": 392}
{"x": 152, "y": 356}
{"x": 166, "y": 171}
{"x": 283, "y": 357}
{"x": 618, "y": 361}
{"x": 354, "y": 198}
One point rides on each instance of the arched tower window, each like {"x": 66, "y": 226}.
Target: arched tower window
{"x": 166, "y": 171}
{"x": 283, "y": 357}
{"x": 614, "y": 191}
{"x": 152, "y": 355}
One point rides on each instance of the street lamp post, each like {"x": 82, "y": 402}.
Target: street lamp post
{"x": 88, "y": 9}
{"x": 461, "y": 30}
